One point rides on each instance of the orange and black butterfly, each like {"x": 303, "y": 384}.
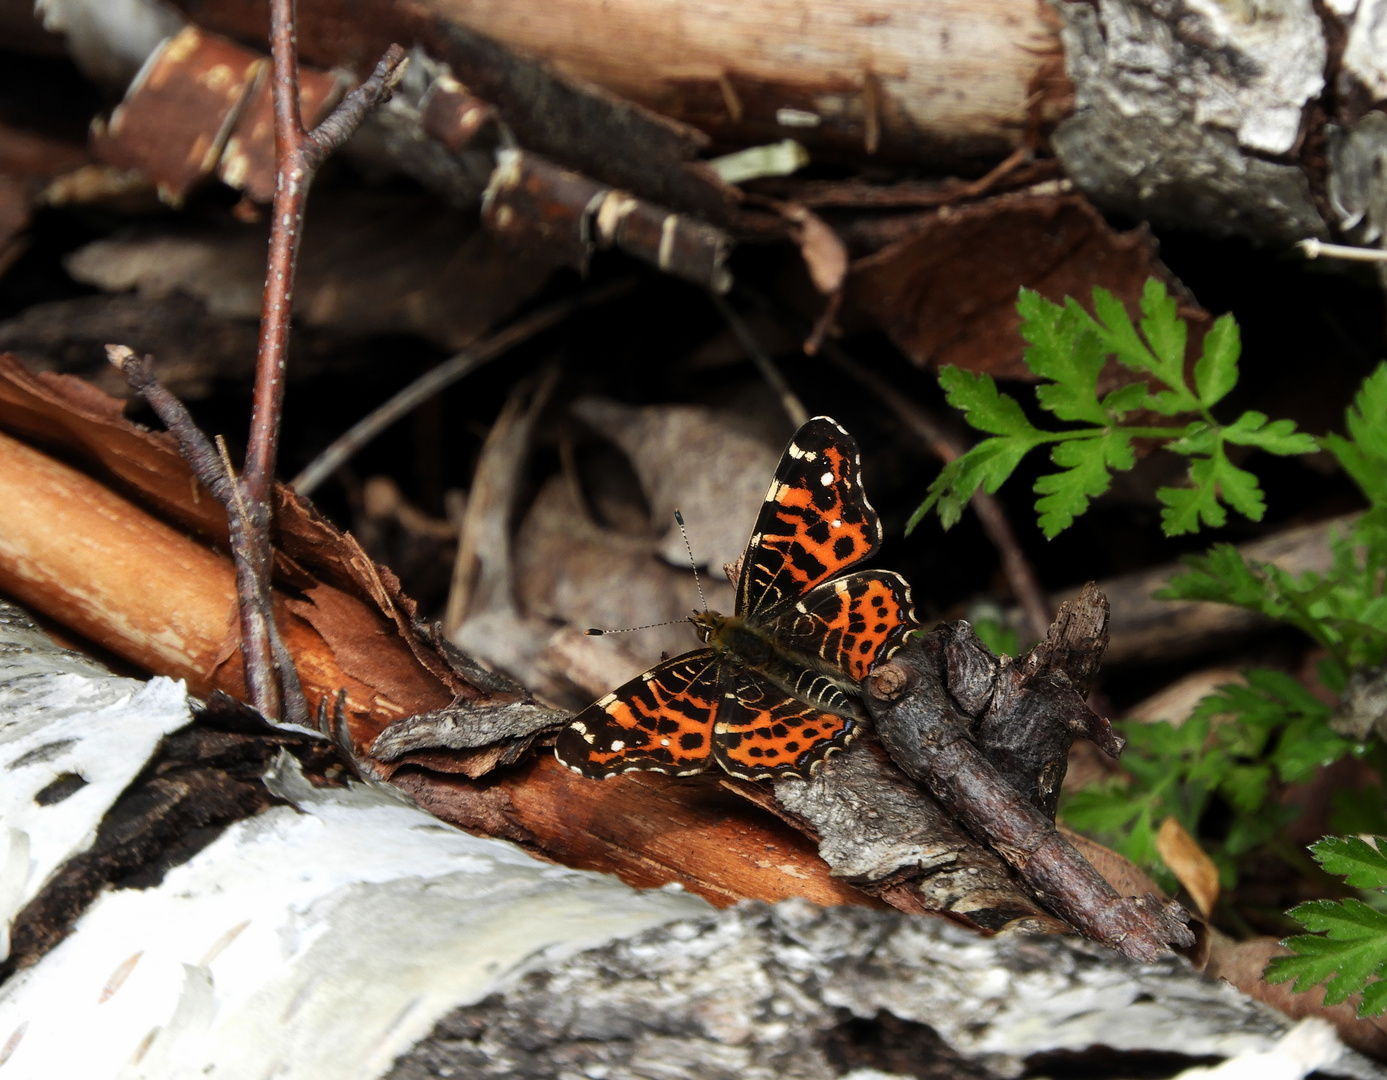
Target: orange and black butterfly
{"x": 776, "y": 690}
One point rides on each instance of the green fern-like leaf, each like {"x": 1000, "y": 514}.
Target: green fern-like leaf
{"x": 1347, "y": 946}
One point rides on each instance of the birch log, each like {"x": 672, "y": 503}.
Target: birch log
{"x": 931, "y": 79}
{"x": 344, "y": 933}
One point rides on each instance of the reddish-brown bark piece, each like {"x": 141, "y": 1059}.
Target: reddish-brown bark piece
{"x": 928, "y": 735}
{"x": 650, "y": 830}
{"x": 203, "y": 106}
{"x": 177, "y": 115}
{"x": 452, "y": 114}
{"x": 946, "y": 293}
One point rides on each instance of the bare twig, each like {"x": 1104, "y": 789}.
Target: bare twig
{"x": 445, "y": 374}
{"x": 1314, "y": 249}
{"x": 1020, "y": 575}
{"x": 298, "y": 154}
{"x": 789, "y": 400}
{"x": 212, "y": 467}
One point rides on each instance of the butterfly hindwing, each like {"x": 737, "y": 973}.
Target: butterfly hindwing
{"x": 763, "y": 732}
{"x": 815, "y": 523}
{"x": 852, "y": 623}
{"x": 661, "y": 721}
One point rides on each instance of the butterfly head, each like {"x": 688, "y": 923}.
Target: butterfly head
{"x": 728, "y": 633}
{"x": 708, "y": 625}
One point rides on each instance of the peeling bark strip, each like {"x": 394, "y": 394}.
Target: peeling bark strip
{"x": 932, "y": 737}
{"x": 534, "y": 202}
{"x": 202, "y": 105}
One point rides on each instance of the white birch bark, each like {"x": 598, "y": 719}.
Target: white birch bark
{"x": 348, "y": 934}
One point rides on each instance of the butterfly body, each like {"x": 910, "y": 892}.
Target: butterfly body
{"x": 776, "y": 690}
{"x": 759, "y": 649}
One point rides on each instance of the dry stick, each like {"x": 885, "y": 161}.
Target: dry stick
{"x": 1020, "y": 575}
{"x": 445, "y": 374}
{"x": 789, "y": 401}
{"x": 212, "y": 468}
{"x": 1314, "y": 249}
{"x": 298, "y": 154}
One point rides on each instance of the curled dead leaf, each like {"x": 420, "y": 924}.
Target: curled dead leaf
{"x": 1189, "y": 863}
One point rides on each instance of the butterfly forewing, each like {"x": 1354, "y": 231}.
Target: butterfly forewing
{"x": 815, "y": 523}
{"x": 661, "y": 721}
{"x": 851, "y": 623}
{"x": 763, "y": 732}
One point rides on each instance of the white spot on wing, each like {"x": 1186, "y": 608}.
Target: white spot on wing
{"x": 826, "y": 479}
{"x": 836, "y": 523}
{"x": 664, "y": 742}
{"x": 617, "y": 744}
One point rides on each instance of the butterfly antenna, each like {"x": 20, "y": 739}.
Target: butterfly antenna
{"x": 595, "y": 632}
{"x": 693, "y": 565}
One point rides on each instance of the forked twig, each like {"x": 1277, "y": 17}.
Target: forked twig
{"x": 298, "y": 155}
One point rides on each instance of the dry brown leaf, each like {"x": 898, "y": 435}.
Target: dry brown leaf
{"x": 699, "y": 461}
{"x": 946, "y": 294}
{"x": 570, "y": 569}
{"x": 1190, "y": 863}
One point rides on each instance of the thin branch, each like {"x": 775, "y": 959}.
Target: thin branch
{"x": 444, "y": 375}
{"x": 198, "y": 451}
{"x": 789, "y": 400}
{"x": 298, "y": 154}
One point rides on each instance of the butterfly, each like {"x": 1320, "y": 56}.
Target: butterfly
{"x": 776, "y": 690}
